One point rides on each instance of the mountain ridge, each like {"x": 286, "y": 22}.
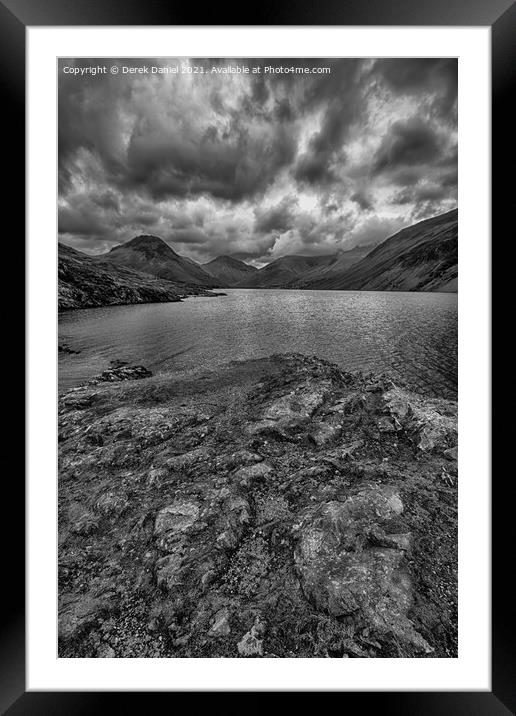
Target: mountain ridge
{"x": 151, "y": 254}
{"x": 420, "y": 257}
{"x": 84, "y": 282}
{"x": 228, "y": 270}
{"x": 296, "y": 270}
{"x": 281, "y": 271}
{"x": 342, "y": 261}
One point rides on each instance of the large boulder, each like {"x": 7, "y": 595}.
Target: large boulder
{"x": 431, "y": 422}
{"x": 289, "y": 412}
{"x": 351, "y": 565}
{"x": 173, "y": 520}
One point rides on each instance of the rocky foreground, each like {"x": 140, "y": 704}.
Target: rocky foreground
{"x": 273, "y": 508}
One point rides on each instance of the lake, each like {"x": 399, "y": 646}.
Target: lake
{"x": 411, "y": 336}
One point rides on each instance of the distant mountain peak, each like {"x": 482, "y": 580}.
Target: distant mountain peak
{"x": 146, "y": 242}
{"x": 154, "y": 256}
{"x": 147, "y": 237}
{"x": 86, "y": 281}
{"x": 229, "y": 270}
{"x": 224, "y": 257}
{"x": 227, "y": 259}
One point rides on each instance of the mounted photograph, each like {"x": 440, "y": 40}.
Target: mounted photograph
{"x": 257, "y": 357}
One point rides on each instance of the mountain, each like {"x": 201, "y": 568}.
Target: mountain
{"x": 422, "y": 257}
{"x": 299, "y": 271}
{"x": 84, "y": 282}
{"x": 152, "y": 255}
{"x": 285, "y": 270}
{"x": 341, "y": 262}
{"x": 229, "y": 271}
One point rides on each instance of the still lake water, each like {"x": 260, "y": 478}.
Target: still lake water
{"x": 411, "y": 336}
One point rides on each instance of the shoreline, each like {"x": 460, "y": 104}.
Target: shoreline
{"x": 253, "y": 288}
{"x": 180, "y": 299}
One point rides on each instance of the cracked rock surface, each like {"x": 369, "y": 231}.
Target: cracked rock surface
{"x": 350, "y": 565}
{"x": 271, "y": 508}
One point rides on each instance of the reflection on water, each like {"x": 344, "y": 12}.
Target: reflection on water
{"x": 412, "y": 336}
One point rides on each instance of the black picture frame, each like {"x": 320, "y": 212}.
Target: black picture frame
{"x": 500, "y": 15}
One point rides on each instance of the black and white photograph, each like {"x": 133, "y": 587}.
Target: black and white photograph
{"x": 257, "y": 348}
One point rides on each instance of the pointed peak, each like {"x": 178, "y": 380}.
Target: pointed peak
{"x": 145, "y": 242}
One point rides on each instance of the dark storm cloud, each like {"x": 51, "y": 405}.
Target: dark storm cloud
{"x": 330, "y": 208}
{"x": 276, "y": 218}
{"x": 449, "y": 180}
{"x": 106, "y": 200}
{"x": 78, "y": 222}
{"x": 342, "y": 81}
{"x": 342, "y": 96}
{"x": 176, "y": 159}
{"x": 435, "y": 77}
{"x": 363, "y": 200}
{"x": 417, "y": 75}
{"x": 421, "y": 193}
{"x": 406, "y": 176}
{"x": 188, "y": 236}
{"x": 409, "y": 143}
{"x": 88, "y": 108}
{"x": 260, "y": 90}
{"x": 314, "y": 168}
{"x": 171, "y": 163}
{"x": 283, "y": 111}
{"x": 90, "y": 215}
{"x": 255, "y": 165}
{"x": 145, "y": 219}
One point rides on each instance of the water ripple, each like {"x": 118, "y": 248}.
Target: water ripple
{"x": 412, "y": 336}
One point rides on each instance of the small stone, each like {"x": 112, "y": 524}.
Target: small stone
{"x": 227, "y": 539}
{"x": 168, "y": 569}
{"x": 207, "y": 578}
{"x": 178, "y": 462}
{"x": 111, "y": 503}
{"x": 251, "y": 644}
{"x": 181, "y": 641}
{"x": 65, "y": 348}
{"x": 86, "y": 524}
{"x": 325, "y": 433}
{"x": 400, "y": 541}
{"x": 117, "y": 363}
{"x": 451, "y": 453}
{"x": 239, "y": 508}
{"x": 243, "y": 457}
{"x": 220, "y": 625}
{"x": 153, "y": 625}
{"x": 156, "y": 476}
{"x": 385, "y": 425}
{"x": 177, "y": 517}
{"x": 253, "y": 473}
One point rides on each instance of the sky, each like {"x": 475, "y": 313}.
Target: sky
{"x": 253, "y": 158}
